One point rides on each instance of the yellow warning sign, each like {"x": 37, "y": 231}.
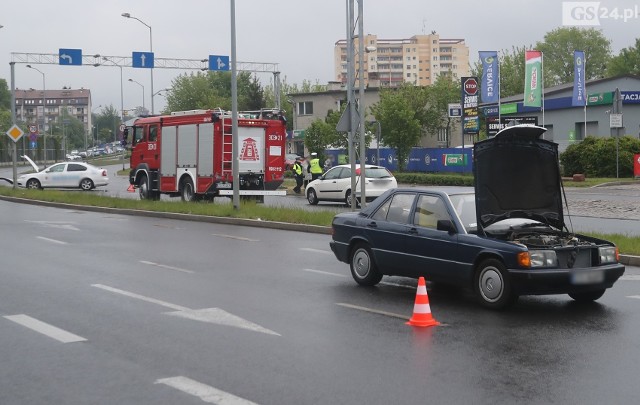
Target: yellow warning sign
{"x": 15, "y": 133}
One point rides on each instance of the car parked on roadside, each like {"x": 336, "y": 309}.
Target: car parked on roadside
{"x": 335, "y": 184}
{"x": 504, "y": 238}
{"x": 79, "y": 175}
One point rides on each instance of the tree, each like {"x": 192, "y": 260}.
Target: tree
{"x": 201, "y": 91}
{"x": 627, "y": 62}
{"x": 401, "y": 113}
{"x": 5, "y": 96}
{"x": 558, "y": 47}
{"x": 106, "y": 124}
{"x": 439, "y": 95}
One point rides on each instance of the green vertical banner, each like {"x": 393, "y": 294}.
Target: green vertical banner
{"x": 533, "y": 79}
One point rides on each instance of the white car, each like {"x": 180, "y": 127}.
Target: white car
{"x": 335, "y": 184}
{"x": 64, "y": 175}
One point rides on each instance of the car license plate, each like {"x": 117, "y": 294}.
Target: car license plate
{"x": 224, "y": 185}
{"x": 587, "y": 277}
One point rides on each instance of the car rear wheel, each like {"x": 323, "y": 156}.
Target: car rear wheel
{"x": 86, "y": 184}
{"x": 348, "y": 199}
{"x": 312, "y": 197}
{"x": 587, "y": 296}
{"x": 492, "y": 285}
{"x": 33, "y": 184}
{"x": 363, "y": 266}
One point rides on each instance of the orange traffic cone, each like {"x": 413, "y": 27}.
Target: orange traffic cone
{"x": 422, "y": 309}
{"x": 131, "y": 189}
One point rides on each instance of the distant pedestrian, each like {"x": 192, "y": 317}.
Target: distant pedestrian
{"x": 314, "y": 166}
{"x": 297, "y": 174}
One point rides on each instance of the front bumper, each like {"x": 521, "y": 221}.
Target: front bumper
{"x": 563, "y": 281}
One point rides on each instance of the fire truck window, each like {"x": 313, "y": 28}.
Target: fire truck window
{"x": 153, "y": 134}
{"x": 138, "y": 134}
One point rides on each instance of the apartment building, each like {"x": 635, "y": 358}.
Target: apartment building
{"x": 35, "y": 107}
{"x": 418, "y": 60}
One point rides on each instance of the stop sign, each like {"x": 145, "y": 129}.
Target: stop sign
{"x": 471, "y": 86}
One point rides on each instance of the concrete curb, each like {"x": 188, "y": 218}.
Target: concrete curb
{"x": 628, "y": 260}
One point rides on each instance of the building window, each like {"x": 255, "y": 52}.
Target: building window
{"x": 408, "y": 66}
{"x": 305, "y": 108}
{"x": 408, "y": 75}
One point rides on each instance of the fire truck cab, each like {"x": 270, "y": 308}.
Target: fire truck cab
{"x": 189, "y": 154}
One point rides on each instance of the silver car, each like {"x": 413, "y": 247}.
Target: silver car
{"x": 335, "y": 184}
{"x": 64, "y": 175}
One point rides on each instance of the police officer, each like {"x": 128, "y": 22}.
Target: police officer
{"x": 314, "y": 166}
{"x": 297, "y": 173}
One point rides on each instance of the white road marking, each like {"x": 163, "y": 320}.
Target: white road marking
{"x": 205, "y": 392}
{"x": 316, "y": 251}
{"x": 208, "y": 315}
{"x": 51, "y": 240}
{"x": 164, "y": 266}
{"x": 140, "y": 297}
{"x": 56, "y": 224}
{"x": 46, "y": 329}
{"x": 324, "y": 272}
{"x": 374, "y": 311}
{"x": 630, "y": 277}
{"x": 634, "y": 296}
{"x": 220, "y": 317}
{"x": 235, "y": 237}
{"x": 398, "y": 285}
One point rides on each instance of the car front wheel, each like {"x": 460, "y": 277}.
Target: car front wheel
{"x": 587, "y": 296}
{"x": 33, "y": 184}
{"x": 86, "y": 184}
{"x": 312, "y": 197}
{"x": 363, "y": 266}
{"x": 492, "y": 285}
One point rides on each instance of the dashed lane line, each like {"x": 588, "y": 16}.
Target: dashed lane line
{"x": 164, "y": 266}
{"x": 205, "y": 392}
{"x": 46, "y": 329}
{"x": 373, "y": 311}
{"x": 59, "y": 242}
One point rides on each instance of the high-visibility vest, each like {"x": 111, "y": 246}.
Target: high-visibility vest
{"x": 297, "y": 168}
{"x": 315, "y": 166}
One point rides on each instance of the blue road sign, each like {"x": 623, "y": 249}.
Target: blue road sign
{"x": 70, "y": 56}
{"x": 218, "y": 62}
{"x": 142, "y": 60}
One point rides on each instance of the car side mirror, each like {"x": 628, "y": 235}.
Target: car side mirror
{"x": 446, "y": 225}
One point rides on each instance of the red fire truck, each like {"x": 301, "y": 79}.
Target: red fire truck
{"x": 189, "y": 154}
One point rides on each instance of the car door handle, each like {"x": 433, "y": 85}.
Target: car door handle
{"x": 413, "y": 231}
{"x": 372, "y": 225}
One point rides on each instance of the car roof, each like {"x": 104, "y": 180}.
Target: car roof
{"x": 448, "y": 190}
{"x": 366, "y": 166}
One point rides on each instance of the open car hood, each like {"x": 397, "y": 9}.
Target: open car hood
{"x": 28, "y": 159}
{"x": 517, "y": 175}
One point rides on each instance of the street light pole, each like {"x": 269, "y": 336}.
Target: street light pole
{"x": 121, "y": 87}
{"x": 44, "y": 116}
{"x": 127, "y": 15}
{"x": 140, "y": 84}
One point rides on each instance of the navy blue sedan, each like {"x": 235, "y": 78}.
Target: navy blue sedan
{"x": 503, "y": 238}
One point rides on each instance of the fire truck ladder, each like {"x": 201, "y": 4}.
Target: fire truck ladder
{"x": 227, "y": 147}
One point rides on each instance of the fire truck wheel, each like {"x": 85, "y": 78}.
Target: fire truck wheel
{"x": 143, "y": 188}
{"x": 187, "y": 191}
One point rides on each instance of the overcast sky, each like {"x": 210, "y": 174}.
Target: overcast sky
{"x": 299, "y": 35}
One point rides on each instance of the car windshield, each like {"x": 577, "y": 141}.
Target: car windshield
{"x": 465, "y": 206}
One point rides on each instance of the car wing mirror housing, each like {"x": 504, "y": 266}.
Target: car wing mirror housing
{"x": 446, "y": 225}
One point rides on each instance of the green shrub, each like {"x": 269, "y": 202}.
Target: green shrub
{"x": 429, "y": 179}
{"x": 596, "y": 157}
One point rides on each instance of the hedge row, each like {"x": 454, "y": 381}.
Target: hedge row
{"x": 596, "y": 157}
{"x": 429, "y": 179}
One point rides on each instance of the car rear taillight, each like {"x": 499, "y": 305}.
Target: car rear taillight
{"x": 104, "y": 173}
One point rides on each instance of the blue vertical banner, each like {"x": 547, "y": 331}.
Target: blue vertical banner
{"x": 490, "y": 81}
{"x": 579, "y": 94}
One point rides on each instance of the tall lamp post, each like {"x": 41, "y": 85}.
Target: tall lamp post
{"x": 44, "y": 116}
{"x": 106, "y": 59}
{"x": 127, "y": 15}
{"x": 140, "y": 84}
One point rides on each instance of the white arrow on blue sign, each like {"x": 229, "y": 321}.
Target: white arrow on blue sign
{"x": 70, "y": 56}
{"x": 218, "y": 62}
{"x": 142, "y": 60}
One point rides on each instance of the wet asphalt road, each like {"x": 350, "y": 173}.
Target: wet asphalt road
{"x": 174, "y": 312}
